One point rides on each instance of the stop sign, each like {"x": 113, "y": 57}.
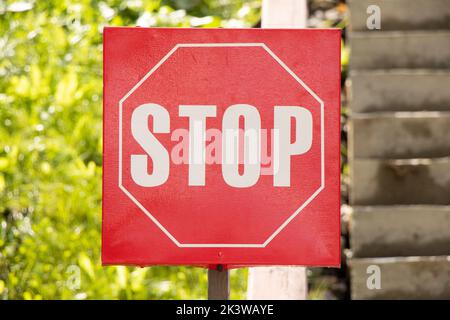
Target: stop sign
{"x": 221, "y": 147}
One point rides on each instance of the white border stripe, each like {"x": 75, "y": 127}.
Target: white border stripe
{"x": 287, "y": 221}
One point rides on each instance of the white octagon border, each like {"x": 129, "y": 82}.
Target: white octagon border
{"x": 287, "y": 221}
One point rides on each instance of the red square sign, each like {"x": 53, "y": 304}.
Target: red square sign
{"x": 221, "y": 146}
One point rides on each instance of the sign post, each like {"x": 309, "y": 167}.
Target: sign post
{"x": 218, "y": 283}
{"x": 221, "y": 147}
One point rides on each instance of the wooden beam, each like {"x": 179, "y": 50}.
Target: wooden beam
{"x": 280, "y": 282}
{"x": 284, "y": 14}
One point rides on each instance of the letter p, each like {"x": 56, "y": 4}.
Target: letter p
{"x": 284, "y": 148}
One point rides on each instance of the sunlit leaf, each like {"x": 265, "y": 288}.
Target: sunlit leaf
{"x": 19, "y": 6}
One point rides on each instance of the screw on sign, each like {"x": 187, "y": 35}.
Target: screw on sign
{"x": 221, "y": 147}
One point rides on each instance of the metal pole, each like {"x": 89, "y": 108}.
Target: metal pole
{"x": 218, "y": 283}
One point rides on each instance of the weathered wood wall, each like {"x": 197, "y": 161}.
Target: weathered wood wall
{"x": 399, "y": 145}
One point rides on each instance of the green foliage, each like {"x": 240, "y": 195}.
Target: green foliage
{"x": 50, "y": 147}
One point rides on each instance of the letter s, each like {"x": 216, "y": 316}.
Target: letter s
{"x": 151, "y": 145}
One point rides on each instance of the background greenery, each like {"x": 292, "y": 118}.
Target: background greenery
{"x": 50, "y": 147}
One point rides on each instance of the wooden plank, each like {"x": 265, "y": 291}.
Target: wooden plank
{"x": 400, "y": 49}
{"x": 218, "y": 284}
{"x": 389, "y": 231}
{"x": 399, "y": 90}
{"x": 402, "y": 278}
{"x": 410, "y": 181}
{"x": 402, "y": 14}
{"x": 400, "y": 135}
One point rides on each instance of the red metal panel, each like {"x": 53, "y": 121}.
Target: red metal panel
{"x": 210, "y": 214}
